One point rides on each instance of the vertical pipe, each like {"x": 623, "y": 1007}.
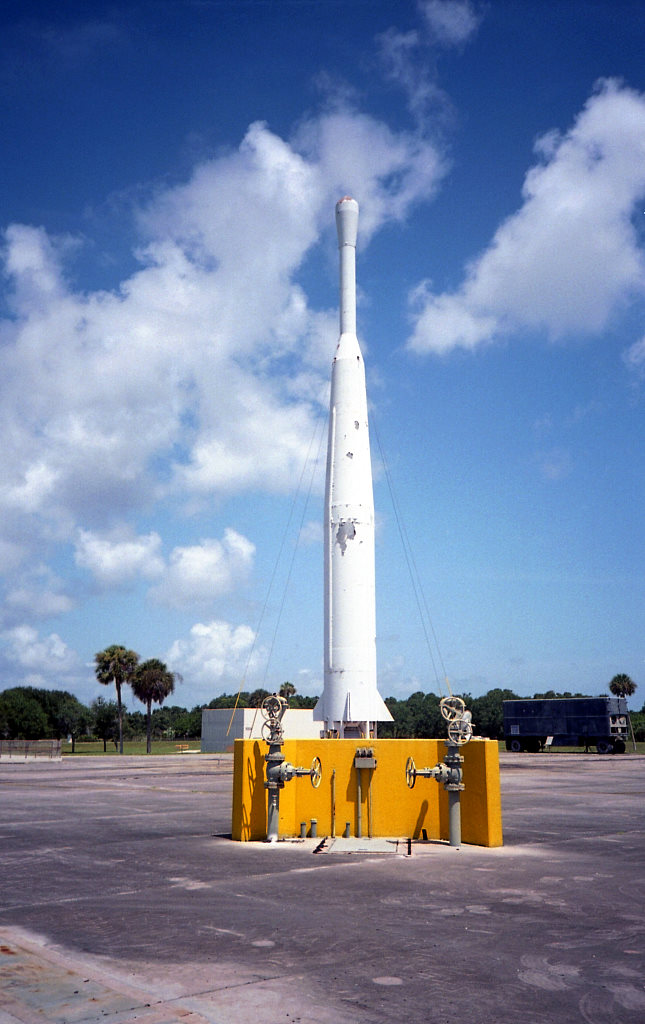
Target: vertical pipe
{"x": 359, "y": 808}
{"x": 333, "y": 804}
{"x": 273, "y": 815}
{"x": 454, "y": 813}
{"x": 370, "y": 819}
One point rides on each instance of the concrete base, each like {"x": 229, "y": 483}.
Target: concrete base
{"x": 387, "y": 807}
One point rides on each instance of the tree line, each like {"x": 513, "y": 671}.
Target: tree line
{"x": 28, "y": 712}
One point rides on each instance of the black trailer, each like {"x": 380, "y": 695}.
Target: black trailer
{"x": 534, "y": 725}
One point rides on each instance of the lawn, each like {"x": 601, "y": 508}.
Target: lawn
{"x": 640, "y": 749}
{"x": 136, "y": 746}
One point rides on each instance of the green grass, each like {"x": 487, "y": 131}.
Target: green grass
{"x": 138, "y": 746}
{"x": 640, "y": 749}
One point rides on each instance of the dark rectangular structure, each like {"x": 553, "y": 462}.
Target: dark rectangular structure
{"x": 532, "y": 725}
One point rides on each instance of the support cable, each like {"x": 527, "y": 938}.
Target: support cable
{"x": 415, "y": 578}
{"x": 314, "y": 466}
{"x": 277, "y": 562}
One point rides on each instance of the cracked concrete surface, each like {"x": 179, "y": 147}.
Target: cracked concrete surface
{"x": 123, "y": 900}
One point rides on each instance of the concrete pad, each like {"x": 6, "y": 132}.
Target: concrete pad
{"x": 121, "y": 899}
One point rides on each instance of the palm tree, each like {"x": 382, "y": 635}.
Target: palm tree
{"x": 116, "y": 665}
{"x": 153, "y": 681}
{"x": 287, "y": 690}
{"x": 622, "y": 686}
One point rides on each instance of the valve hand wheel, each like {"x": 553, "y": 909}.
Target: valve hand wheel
{"x": 410, "y": 773}
{"x": 271, "y": 732}
{"x": 452, "y": 708}
{"x": 271, "y": 706}
{"x": 316, "y": 772}
{"x": 460, "y": 731}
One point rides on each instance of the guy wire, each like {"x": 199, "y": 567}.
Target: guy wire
{"x": 277, "y": 562}
{"x": 287, "y": 581}
{"x": 415, "y": 578}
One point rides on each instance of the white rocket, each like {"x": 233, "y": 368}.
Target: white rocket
{"x": 350, "y": 704}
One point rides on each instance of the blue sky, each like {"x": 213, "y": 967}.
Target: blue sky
{"x": 168, "y": 315}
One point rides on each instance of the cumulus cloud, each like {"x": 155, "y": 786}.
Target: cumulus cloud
{"x": 451, "y": 22}
{"x": 37, "y": 594}
{"x": 201, "y": 377}
{"x": 216, "y": 656}
{"x": 35, "y": 659}
{"x": 177, "y": 364}
{"x": 569, "y": 257}
{"x": 193, "y": 574}
{"x": 200, "y": 573}
{"x": 118, "y": 560}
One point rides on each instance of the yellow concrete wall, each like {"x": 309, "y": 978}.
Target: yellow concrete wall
{"x": 395, "y": 810}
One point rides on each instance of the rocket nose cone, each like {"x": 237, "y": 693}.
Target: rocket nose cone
{"x": 347, "y": 221}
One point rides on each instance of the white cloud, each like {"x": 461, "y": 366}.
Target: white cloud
{"x": 180, "y": 358}
{"x": 409, "y": 58}
{"x": 99, "y": 389}
{"x": 204, "y": 571}
{"x": 357, "y": 155}
{"x": 569, "y": 258}
{"x": 32, "y": 259}
{"x": 203, "y": 376}
{"x": 37, "y": 659}
{"x": 451, "y": 22}
{"x": 216, "y": 656}
{"x": 634, "y": 357}
{"x": 118, "y": 561}
{"x": 37, "y": 594}
{"x": 30, "y": 493}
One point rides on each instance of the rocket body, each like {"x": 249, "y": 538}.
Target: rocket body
{"x": 351, "y": 704}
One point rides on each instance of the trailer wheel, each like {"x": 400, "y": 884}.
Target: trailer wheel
{"x": 619, "y": 746}
{"x": 516, "y": 746}
{"x": 605, "y": 747}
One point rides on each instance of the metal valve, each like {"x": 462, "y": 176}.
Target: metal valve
{"x": 449, "y": 775}
{"x": 448, "y": 772}
{"x": 278, "y": 770}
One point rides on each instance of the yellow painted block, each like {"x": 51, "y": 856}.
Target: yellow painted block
{"x": 387, "y": 806}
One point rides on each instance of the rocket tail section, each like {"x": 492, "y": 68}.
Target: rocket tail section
{"x": 350, "y": 706}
